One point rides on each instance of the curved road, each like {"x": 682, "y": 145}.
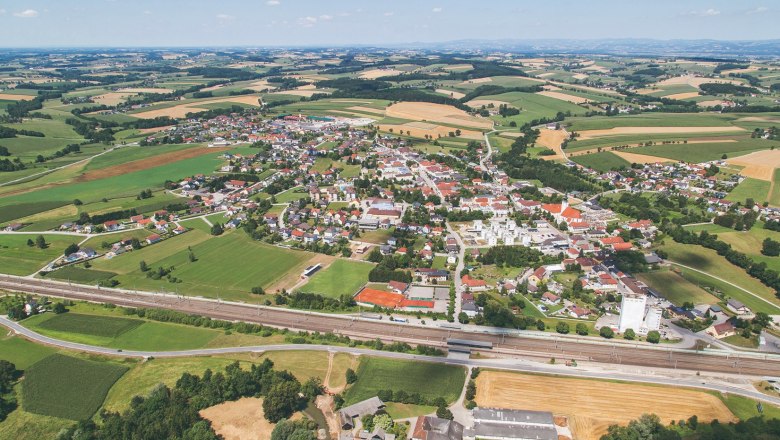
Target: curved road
{"x": 504, "y": 341}
{"x": 508, "y": 364}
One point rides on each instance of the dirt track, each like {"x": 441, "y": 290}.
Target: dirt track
{"x": 593, "y": 405}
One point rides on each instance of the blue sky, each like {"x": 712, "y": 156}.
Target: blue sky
{"x": 30, "y": 23}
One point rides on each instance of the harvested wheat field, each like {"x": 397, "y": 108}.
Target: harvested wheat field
{"x": 758, "y": 165}
{"x": 563, "y": 96}
{"x": 360, "y": 108}
{"x": 552, "y": 139}
{"x": 113, "y": 98}
{"x": 476, "y": 81}
{"x": 181, "y": 110}
{"x": 378, "y": 73}
{"x": 13, "y": 97}
{"x": 617, "y": 131}
{"x": 241, "y": 419}
{"x": 593, "y": 405}
{"x": 710, "y": 103}
{"x": 451, "y": 93}
{"x": 145, "y": 90}
{"x": 694, "y": 81}
{"x": 259, "y": 86}
{"x": 298, "y": 92}
{"x": 687, "y": 95}
{"x": 641, "y": 158}
{"x": 423, "y": 129}
{"x": 445, "y": 114}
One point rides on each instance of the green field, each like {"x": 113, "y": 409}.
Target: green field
{"x": 428, "y": 379}
{"x": 603, "y": 161}
{"x": 651, "y": 120}
{"x": 703, "y": 152}
{"x": 227, "y": 266}
{"x": 50, "y": 386}
{"x": 80, "y": 275}
{"x": 750, "y": 242}
{"x": 774, "y": 197}
{"x": 343, "y": 277}
{"x": 17, "y": 258}
{"x": 21, "y": 352}
{"x": 101, "y": 326}
{"x": 756, "y": 189}
{"x": 710, "y": 262}
{"x": 532, "y": 106}
{"x": 676, "y": 288}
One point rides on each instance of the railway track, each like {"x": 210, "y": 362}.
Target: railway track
{"x": 752, "y": 364}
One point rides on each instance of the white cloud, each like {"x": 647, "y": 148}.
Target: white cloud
{"x": 307, "y": 22}
{"x": 27, "y": 13}
{"x": 389, "y": 14}
{"x": 225, "y": 17}
{"x": 326, "y": 17}
{"x": 437, "y": 9}
{"x": 2, "y": 11}
{"x": 711, "y": 12}
{"x": 758, "y": 10}
{"x": 273, "y": 2}
{"x": 147, "y": 12}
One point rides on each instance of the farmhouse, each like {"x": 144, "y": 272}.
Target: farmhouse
{"x": 434, "y": 428}
{"x": 348, "y": 415}
{"x": 506, "y": 424}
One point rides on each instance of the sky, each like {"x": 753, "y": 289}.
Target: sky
{"x": 259, "y": 23}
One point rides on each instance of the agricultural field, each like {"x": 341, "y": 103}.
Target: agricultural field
{"x": 755, "y": 189}
{"x": 675, "y": 288}
{"x": 584, "y": 400}
{"x": 19, "y": 258}
{"x": 750, "y": 242}
{"x": 50, "y": 385}
{"x": 342, "y": 277}
{"x": 710, "y": 262}
{"x": 532, "y": 106}
{"x": 215, "y": 272}
{"x": 428, "y": 379}
{"x": 603, "y": 161}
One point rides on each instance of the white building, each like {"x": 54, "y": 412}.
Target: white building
{"x": 632, "y": 312}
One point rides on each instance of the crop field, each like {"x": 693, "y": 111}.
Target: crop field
{"x": 101, "y": 326}
{"x": 710, "y": 262}
{"x": 750, "y": 188}
{"x": 760, "y": 164}
{"x": 584, "y": 401}
{"x": 428, "y": 379}
{"x": 701, "y": 152}
{"x": 342, "y": 277}
{"x": 675, "y": 288}
{"x": 80, "y": 275}
{"x": 749, "y": 243}
{"x": 603, "y": 161}
{"x": 229, "y": 265}
{"x": 50, "y": 385}
{"x": 17, "y": 258}
{"x": 650, "y": 120}
{"x": 444, "y": 114}
{"x": 533, "y": 106}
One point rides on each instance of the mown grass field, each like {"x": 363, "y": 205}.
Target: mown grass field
{"x": 532, "y": 106}
{"x": 675, "y": 288}
{"x": 21, "y": 352}
{"x": 750, "y": 188}
{"x": 774, "y": 197}
{"x": 603, "y": 161}
{"x": 428, "y": 379}
{"x": 710, "y": 262}
{"x": 227, "y": 266}
{"x": 17, "y": 258}
{"x": 750, "y": 243}
{"x": 68, "y": 387}
{"x": 342, "y": 277}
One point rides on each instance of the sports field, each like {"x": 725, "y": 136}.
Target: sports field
{"x": 50, "y": 385}
{"x": 342, "y": 277}
{"x": 428, "y": 379}
{"x": 593, "y": 405}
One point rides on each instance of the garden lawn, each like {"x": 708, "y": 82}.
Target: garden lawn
{"x": 342, "y": 277}
{"x": 68, "y": 387}
{"x": 428, "y": 379}
{"x": 17, "y": 258}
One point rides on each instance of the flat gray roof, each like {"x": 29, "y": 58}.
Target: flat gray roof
{"x": 513, "y": 416}
{"x": 518, "y": 432}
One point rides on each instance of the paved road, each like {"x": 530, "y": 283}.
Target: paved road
{"x": 508, "y": 364}
{"x": 505, "y": 342}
